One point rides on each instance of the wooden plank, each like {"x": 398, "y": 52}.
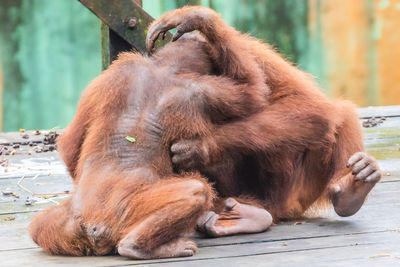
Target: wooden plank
{"x": 382, "y": 201}
{"x": 375, "y": 242}
{"x": 383, "y": 142}
{"x": 16, "y": 137}
{"x": 275, "y": 251}
{"x": 105, "y": 45}
{"x": 14, "y": 235}
{"x": 365, "y": 254}
{"x": 379, "y": 111}
{"x": 116, "y": 15}
{"x": 46, "y": 186}
{"x": 315, "y": 240}
{"x": 16, "y": 166}
{"x": 112, "y": 44}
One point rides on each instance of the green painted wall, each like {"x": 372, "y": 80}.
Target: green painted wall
{"x": 282, "y": 23}
{"x": 49, "y": 51}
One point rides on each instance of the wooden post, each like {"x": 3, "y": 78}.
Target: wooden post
{"x": 112, "y": 44}
{"x": 123, "y": 28}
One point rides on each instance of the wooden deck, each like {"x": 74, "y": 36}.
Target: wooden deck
{"x": 371, "y": 237}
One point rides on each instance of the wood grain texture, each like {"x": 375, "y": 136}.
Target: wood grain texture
{"x": 116, "y": 14}
{"x": 370, "y": 237}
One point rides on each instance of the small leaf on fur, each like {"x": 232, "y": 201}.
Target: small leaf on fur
{"x": 130, "y": 139}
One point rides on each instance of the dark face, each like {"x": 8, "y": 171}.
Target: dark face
{"x": 99, "y": 238}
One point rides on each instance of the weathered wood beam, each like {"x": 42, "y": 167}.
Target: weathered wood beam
{"x": 127, "y": 23}
{"x": 105, "y": 45}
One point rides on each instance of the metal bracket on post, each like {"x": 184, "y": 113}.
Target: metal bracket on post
{"x": 123, "y": 28}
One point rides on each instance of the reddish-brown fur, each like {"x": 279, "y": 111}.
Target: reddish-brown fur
{"x": 118, "y": 183}
{"x": 287, "y": 156}
{"x": 257, "y": 126}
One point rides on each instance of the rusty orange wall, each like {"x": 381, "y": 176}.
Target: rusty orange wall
{"x": 350, "y": 46}
{"x": 360, "y": 43}
{"x": 387, "y": 34}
